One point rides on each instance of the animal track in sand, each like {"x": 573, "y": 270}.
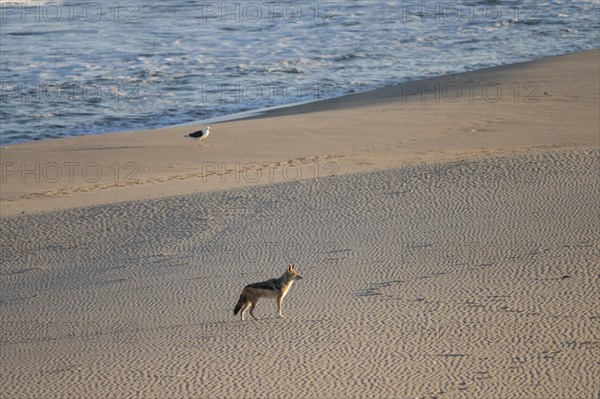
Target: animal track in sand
{"x": 256, "y": 167}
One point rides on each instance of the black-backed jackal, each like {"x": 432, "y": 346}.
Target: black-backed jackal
{"x": 274, "y": 288}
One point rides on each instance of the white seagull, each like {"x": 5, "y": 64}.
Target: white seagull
{"x": 200, "y": 134}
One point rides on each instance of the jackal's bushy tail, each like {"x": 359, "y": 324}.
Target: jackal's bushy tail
{"x": 240, "y": 303}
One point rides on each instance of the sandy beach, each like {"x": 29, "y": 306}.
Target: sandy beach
{"x": 446, "y": 231}
{"x": 514, "y": 108}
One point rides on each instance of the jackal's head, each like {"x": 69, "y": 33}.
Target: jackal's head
{"x": 291, "y": 272}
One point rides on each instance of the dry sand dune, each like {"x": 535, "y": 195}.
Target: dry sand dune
{"x": 465, "y": 279}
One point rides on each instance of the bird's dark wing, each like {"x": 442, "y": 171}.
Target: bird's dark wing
{"x": 196, "y": 134}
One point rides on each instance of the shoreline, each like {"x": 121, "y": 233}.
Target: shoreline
{"x": 547, "y": 103}
{"x": 356, "y": 99}
{"x": 296, "y": 108}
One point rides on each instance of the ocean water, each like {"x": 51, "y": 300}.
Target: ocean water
{"x": 89, "y": 67}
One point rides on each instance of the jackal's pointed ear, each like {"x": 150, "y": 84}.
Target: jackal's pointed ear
{"x": 293, "y": 267}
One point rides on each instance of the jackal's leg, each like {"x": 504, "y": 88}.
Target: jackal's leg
{"x": 244, "y": 308}
{"x": 252, "y": 306}
{"x": 279, "y": 306}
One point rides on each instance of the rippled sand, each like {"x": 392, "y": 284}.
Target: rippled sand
{"x": 465, "y": 279}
